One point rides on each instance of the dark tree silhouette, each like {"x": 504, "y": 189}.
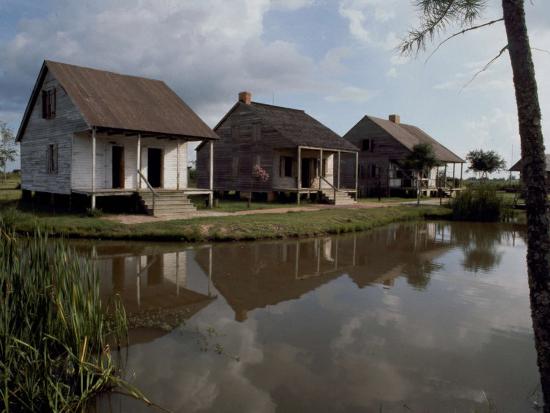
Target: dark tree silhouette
{"x": 421, "y": 160}
{"x": 485, "y": 162}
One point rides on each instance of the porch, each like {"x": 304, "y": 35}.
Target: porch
{"x": 438, "y": 180}
{"x": 108, "y": 163}
{"x": 314, "y": 170}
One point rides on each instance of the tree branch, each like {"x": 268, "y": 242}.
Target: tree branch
{"x": 540, "y": 50}
{"x": 479, "y": 26}
{"x": 419, "y": 37}
{"x": 485, "y": 67}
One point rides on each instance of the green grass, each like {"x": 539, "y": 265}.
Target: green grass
{"x": 55, "y": 331}
{"x": 393, "y": 199}
{"x": 10, "y": 193}
{"x": 228, "y": 228}
{"x": 227, "y": 205}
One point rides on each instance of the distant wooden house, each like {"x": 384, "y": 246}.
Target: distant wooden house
{"x": 518, "y": 165}
{"x": 384, "y": 147}
{"x": 95, "y": 134}
{"x": 276, "y": 150}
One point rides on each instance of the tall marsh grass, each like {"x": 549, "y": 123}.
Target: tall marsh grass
{"x": 55, "y": 333}
{"x": 478, "y": 203}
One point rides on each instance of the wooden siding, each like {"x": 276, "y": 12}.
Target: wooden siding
{"x": 385, "y": 148}
{"x": 42, "y": 132}
{"x": 82, "y": 161}
{"x": 244, "y": 136}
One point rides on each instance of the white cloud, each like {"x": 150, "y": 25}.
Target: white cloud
{"x": 206, "y": 56}
{"x": 333, "y": 63}
{"x": 291, "y": 4}
{"x": 370, "y": 21}
{"x": 392, "y": 72}
{"x": 351, "y": 94}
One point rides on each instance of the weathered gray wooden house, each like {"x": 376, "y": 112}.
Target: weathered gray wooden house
{"x": 276, "y": 150}
{"x": 95, "y": 133}
{"x": 384, "y": 147}
{"x": 518, "y": 165}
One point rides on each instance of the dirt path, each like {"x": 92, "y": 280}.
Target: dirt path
{"x": 139, "y": 219}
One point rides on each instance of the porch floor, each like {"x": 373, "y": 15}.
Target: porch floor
{"x": 131, "y": 191}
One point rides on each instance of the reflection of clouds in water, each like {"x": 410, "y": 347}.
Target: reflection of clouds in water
{"x": 334, "y": 346}
{"x": 180, "y": 377}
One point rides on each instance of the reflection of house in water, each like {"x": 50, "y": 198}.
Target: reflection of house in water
{"x": 153, "y": 284}
{"x": 252, "y": 276}
{"x": 382, "y": 256}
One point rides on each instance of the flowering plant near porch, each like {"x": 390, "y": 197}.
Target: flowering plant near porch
{"x": 260, "y": 173}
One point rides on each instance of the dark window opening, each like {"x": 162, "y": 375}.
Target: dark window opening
{"x": 49, "y": 103}
{"x": 373, "y": 171}
{"x": 368, "y": 145}
{"x": 285, "y": 168}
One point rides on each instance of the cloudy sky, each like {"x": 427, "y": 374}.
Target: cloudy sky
{"x": 334, "y": 58}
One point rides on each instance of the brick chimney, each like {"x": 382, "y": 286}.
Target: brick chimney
{"x": 245, "y": 97}
{"x": 394, "y": 118}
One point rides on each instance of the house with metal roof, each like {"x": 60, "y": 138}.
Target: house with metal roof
{"x": 97, "y": 134}
{"x": 518, "y": 166}
{"x": 384, "y": 147}
{"x": 274, "y": 151}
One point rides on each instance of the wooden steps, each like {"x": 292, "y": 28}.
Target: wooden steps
{"x": 341, "y": 198}
{"x": 167, "y": 203}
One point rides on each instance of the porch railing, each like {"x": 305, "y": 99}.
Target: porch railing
{"x": 330, "y": 185}
{"x": 151, "y": 189}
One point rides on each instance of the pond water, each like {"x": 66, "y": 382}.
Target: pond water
{"x": 418, "y": 317}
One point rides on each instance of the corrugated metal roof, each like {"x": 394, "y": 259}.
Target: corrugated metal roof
{"x": 130, "y": 103}
{"x": 410, "y": 135}
{"x": 517, "y": 166}
{"x": 300, "y": 128}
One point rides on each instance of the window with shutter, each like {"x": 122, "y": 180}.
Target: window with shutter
{"x": 52, "y": 159}
{"x": 235, "y": 166}
{"x": 285, "y": 166}
{"x": 49, "y": 103}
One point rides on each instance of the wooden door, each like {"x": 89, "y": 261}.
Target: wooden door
{"x": 306, "y": 176}
{"x": 154, "y": 167}
{"x": 118, "y": 166}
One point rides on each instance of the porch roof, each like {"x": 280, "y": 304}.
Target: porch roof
{"x": 517, "y": 166}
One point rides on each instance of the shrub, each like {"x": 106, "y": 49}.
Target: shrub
{"x": 479, "y": 203}
{"x": 94, "y": 213}
{"x": 54, "y": 328}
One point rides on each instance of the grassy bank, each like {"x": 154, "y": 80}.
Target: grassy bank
{"x": 228, "y": 228}
{"x": 56, "y": 333}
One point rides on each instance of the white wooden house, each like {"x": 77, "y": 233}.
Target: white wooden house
{"x": 97, "y": 133}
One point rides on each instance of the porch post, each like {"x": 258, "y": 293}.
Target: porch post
{"x": 93, "y": 166}
{"x": 211, "y": 194}
{"x": 356, "y": 173}
{"x": 454, "y": 164}
{"x": 445, "y": 178}
{"x": 320, "y": 167}
{"x": 138, "y": 163}
{"x": 339, "y": 172}
{"x": 178, "y": 164}
{"x": 299, "y": 175}
{"x": 461, "y": 165}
